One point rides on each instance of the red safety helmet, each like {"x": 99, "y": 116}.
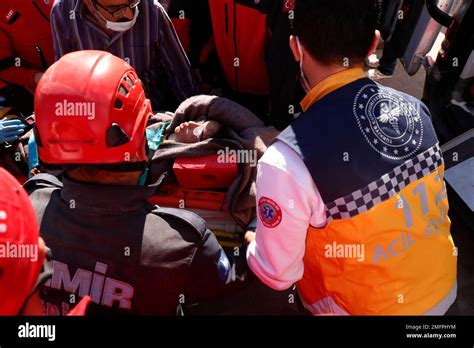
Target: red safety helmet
{"x": 21, "y": 250}
{"x": 91, "y": 108}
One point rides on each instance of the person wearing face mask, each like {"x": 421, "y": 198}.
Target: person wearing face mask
{"x": 138, "y": 31}
{"x": 351, "y": 201}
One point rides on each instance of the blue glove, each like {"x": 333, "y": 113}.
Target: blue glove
{"x": 1, "y": 101}
{"x": 10, "y": 130}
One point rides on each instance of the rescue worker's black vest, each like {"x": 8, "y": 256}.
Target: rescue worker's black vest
{"x": 128, "y": 255}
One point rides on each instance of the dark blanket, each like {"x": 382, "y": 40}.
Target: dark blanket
{"x": 244, "y": 131}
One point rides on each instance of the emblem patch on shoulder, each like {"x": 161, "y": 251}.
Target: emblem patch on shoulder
{"x": 269, "y": 212}
{"x": 390, "y": 124}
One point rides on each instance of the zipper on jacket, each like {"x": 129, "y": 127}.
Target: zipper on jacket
{"x": 39, "y": 10}
{"x": 43, "y": 60}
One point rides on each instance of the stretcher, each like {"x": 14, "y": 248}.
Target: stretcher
{"x": 204, "y": 173}
{"x": 200, "y": 185}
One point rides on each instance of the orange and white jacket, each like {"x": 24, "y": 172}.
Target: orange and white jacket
{"x": 352, "y": 205}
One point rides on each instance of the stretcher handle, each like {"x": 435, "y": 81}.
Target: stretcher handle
{"x": 438, "y": 15}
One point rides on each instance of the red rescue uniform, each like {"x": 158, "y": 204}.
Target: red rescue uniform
{"x": 26, "y": 46}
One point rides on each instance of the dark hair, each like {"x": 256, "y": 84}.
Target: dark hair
{"x": 331, "y": 30}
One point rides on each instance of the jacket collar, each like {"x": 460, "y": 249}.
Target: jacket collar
{"x": 106, "y": 198}
{"x": 330, "y": 84}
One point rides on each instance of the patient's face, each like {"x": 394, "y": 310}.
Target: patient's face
{"x": 194, "y": 132}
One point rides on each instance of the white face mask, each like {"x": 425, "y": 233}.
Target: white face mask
{"x": 304, "y": 80}
{"x": 121, "y": 26}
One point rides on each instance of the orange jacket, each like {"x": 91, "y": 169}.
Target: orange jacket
{"x": 25, "y": 41}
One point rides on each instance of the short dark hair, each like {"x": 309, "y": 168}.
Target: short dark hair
{"x": 331, "y": 30}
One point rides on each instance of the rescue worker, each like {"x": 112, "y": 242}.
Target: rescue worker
{"x": 22, "y": 251}
{"x": 14, "y": 136}
{"x": 192, "y": 21}
{"x": 23, "y": 255}
{"x": 251, "y": 40}
{"x": 351, "y": 200}
{"x": 24, "y": 53}
{"x": 107, "y": 241}
{"x": 138, "y": 31}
